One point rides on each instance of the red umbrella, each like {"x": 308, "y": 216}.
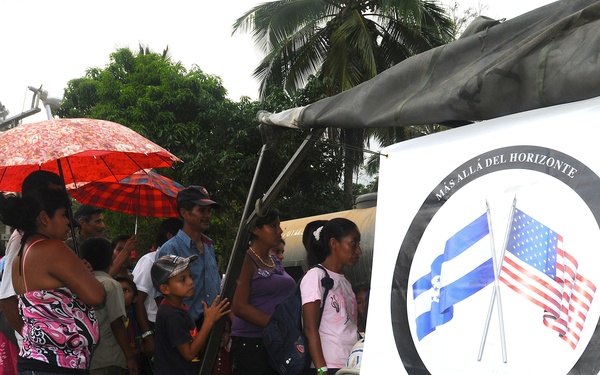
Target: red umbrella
{"x": 83, "y": 149}
{"x": 143, "y": 193}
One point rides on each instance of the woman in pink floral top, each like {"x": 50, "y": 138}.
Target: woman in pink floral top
{"x": 55, "y": 290}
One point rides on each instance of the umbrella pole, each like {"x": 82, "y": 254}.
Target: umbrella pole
{"x": 136, "y": 225}
{"x": 69, "y": 210}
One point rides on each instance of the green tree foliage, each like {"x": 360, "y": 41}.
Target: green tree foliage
{"x": 346, "y": 41}
{"x": 188, "y": 113}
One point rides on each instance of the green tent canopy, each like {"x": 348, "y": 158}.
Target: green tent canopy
{"x": 545, "y": 57}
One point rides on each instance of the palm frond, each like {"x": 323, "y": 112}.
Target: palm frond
{"x": 345, "y": 42}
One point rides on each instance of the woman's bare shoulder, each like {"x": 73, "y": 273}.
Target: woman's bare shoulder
{"x": 53, "y": 251}
{"x": 52, "y": 244}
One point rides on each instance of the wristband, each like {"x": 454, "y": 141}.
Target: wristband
{"x": 322, "y": 370}
{"x": 147, "y": 333}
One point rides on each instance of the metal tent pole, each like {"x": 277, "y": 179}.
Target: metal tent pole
{"x": 255, "y": 206}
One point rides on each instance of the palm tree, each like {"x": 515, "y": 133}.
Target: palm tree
{"x": 346, "y": 41}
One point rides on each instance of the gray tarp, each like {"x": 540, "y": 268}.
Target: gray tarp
{"x": 545, "y": 57}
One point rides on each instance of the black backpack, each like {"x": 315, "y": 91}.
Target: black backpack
{"x": 284, "y": 337}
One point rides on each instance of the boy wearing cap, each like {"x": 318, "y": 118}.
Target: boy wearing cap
{"x": 179, "y": 343}
{"x": 194, "y": 206}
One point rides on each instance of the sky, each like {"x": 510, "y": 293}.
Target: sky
{"x": 51, "y": 42}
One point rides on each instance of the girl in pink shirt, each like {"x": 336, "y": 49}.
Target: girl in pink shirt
{"x": 334, "y": 244}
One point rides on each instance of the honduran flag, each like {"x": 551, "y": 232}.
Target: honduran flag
{"x": 465, "y": 267}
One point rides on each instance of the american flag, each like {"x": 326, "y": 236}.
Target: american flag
{"x": 537, "y": 267}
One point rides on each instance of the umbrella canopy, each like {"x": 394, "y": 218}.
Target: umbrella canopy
{"x": 144, "y": 193}
{"x": 84, "y": 149}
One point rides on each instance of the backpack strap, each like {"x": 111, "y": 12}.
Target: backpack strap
{"x": 327, "y": 283}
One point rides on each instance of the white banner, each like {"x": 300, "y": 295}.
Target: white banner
{"x": 487, "y": 246}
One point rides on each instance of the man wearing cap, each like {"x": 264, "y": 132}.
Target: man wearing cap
{"x": 194, "y": 206}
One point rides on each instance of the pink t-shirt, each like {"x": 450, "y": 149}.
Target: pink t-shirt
{"x": 338, "y": 328}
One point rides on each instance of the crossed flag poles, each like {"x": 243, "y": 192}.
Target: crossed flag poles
{"x": 533, "y": 263}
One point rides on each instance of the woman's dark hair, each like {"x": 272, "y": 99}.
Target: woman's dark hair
{"x": 317, "y": 234}
{"x": 37, "y": 179}
{"x": 168, "y": 226}
{"x": 268, "y": 217}
{"x": 22, "y": 212}
{"x": 98, "y": 252}
{"x": 308, "y": 239}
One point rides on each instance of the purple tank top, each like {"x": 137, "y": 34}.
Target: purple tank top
{"x": 268, "y": 288}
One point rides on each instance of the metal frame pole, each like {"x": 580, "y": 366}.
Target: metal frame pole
{"x": 254, "y": 207}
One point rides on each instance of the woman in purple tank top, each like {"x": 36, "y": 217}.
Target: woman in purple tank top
{"x": 55, "y": 290}
{"x": 262, "y": 285}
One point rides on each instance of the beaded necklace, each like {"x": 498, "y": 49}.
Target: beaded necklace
{"x": 262, "y": 261}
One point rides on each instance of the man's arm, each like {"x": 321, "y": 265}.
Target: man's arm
{"x": 141, "y": 316}
{"x": 143, "y": 280}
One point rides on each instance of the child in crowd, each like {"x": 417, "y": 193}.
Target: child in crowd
{"x": 335, "y": 244}
{"x": 361, "y": 291}
{"x": 222, "y": 364}
{"x": 133, "y": 331}
{"x": 119, "y": 244}
{"x": 167, "y": 229}
{"x": 278, "y": 250}
{"x": 179, "y": 344}
{"x": 113, "y": 353}
{"x": 362, "y": 304}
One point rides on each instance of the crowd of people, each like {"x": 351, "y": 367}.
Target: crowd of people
{"x": 73, "y": 304}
